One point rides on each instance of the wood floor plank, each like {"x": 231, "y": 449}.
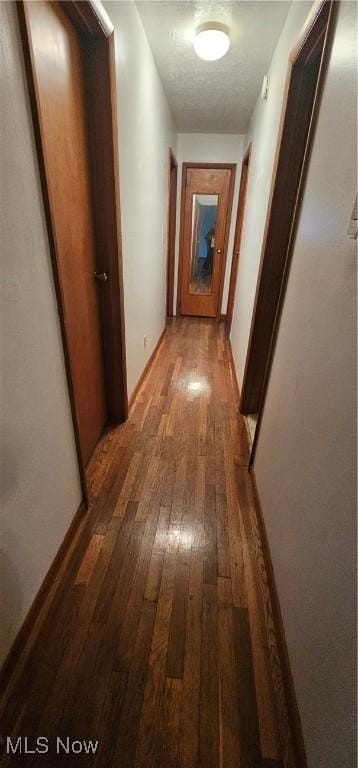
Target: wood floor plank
{"x": 210, "y": 561}
{"x": 125, "y": 494}
{"x": 125, "y": 738}
{"x": 157, "y": 555}
{"x": 223, "y": 549}
{"x": 249, "y": 736}
{"x": 177, "y": 629}
{"x": 228, "y": 701}
{"x": 169, "y": 724}
{"x": 106, "y": 595}
{"x": 149, "y": 723}
{"x": 189, "y": 726}
{"x": 209, "y": 756}
{"x": 200, "y": 489}
{"x": 267, "y": 716}
{"x": 89, "y": 560}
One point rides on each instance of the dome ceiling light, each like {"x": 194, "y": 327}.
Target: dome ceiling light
{"x": 211, "y": 41}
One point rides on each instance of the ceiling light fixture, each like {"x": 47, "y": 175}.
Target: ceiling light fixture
{"x": 211, "y": 41}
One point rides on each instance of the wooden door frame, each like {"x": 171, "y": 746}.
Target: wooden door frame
{"x": 285, "y": 198}
{"x": 224, "y": 166}
{"x": 237, "y": 239}
{"x": 172, "y": 217}
{"x": 97, "y": 38}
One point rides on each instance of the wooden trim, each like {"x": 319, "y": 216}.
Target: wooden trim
{"x": 233, "y": 369}
{"x": 237, "y": 239}
{"x": 118, "y": 303}
{"x": 171, "y": 217}
{"x": 233, "y": 167}
{"x": 99, "y": 56}
{"x": 89, "y": 17}
{"x": 245, "y": 436}
{"x": 26, "y": 628}
{"x": 148, "y": 365}
{"x": 300, "y": 108}
{"x": 224, "y": 166}
{"x": 98, "y": 47}
{"x": 181, "y": 236}
{"x": 288, "y": 683}
{"x": 316, "y": 23}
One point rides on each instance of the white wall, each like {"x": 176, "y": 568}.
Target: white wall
{"x": 262, "y": 132}
{"x": 305, "y": 461}
{"x": 146, "y": 132}
{"x": 210, "y": 148}
{"x": 40, "y": 482}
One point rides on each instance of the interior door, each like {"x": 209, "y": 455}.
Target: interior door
{"x": 57, "y": 60}
{"x": 206, "y": 212}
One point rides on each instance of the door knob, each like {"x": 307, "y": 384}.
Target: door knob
{"x": 219, "y": 250}
{"x": 102, "y": 276}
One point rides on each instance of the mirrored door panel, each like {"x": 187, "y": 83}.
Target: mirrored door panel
{"x": 203, "y": 232}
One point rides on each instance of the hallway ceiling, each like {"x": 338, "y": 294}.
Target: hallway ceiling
{"x": 217, "y": 96}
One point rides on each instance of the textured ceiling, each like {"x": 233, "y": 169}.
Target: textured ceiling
{"x": 217, "y": 96}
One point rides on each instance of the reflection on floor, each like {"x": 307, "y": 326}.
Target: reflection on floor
{"x": 157, "y": 638}
{"x": 201, "y": 285}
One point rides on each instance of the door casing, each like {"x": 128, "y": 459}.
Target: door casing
{"x": 172, "y": 215}
{"x": 97, "y": 37}
{"x": 237, "y": 239}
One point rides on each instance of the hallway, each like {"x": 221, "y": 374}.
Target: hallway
{"x": 157, "y": 638}
{"x": 177, "y": 233}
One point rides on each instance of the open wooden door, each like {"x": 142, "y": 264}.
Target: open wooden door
{"x": 68, "y": 50}
{"x": 61, "y": 94}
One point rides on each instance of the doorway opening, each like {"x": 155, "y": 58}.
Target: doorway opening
{"x": 300, "y": 109}
{"x": 172, "y": 215}
{"x": 206, "y": 204}
{"x": 74, "y": 117}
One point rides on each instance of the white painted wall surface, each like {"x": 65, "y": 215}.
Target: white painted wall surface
{"x": 146, "y": 132}
{"x": 263, "y": 133}
{"x": 305, "y": 462}
{"x": 40, "y": 481}
{"x": 209, "y": 148}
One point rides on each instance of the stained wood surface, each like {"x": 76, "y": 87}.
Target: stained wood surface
{"x": 237, "y": 240}
{"x": 206, "y": 179}
{"x": 157, "y": 637}
{"x": 172, "y": 214}
{"x": 60, "y": 85}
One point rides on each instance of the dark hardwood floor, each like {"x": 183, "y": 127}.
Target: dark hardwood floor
{"x": 157, "y": 637}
